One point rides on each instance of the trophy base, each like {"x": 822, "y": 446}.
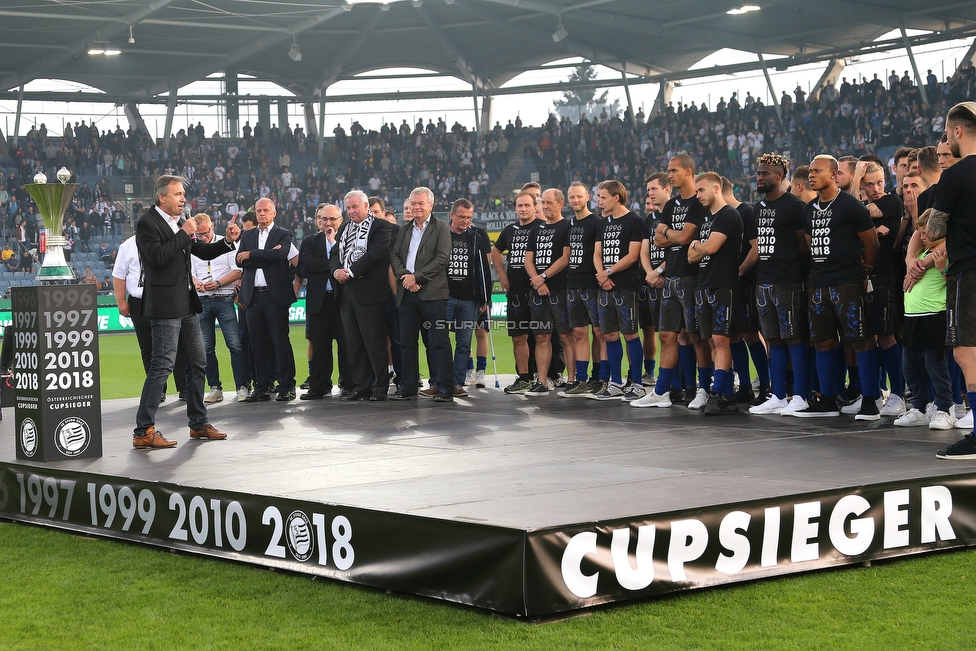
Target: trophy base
{"x": 55, "y": 272}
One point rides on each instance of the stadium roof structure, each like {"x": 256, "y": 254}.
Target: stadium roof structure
{"x": 308, "y": 45}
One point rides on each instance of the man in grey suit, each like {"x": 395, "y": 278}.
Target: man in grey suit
{"x": 419, "y": 260}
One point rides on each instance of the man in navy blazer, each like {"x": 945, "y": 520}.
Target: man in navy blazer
{"x": 170, "y": 302}
{"x": 360, "y": 265}
{"x": 267, "y": 291}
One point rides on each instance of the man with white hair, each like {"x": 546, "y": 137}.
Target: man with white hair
{"x": 361, "y": 266}
{"x": 419, "y": 259}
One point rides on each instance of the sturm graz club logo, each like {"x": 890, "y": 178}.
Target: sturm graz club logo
{"x": 356, "y": 253}
{"x": 28, "y": 437}
{"x": 72, "y": 436}
{"x": 299, "y": 536}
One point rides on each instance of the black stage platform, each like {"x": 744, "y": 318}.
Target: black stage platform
{"x": 528, "y": 506}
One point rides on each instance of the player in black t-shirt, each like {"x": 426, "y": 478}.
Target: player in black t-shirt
{"x": 780, "y": 293}
{"x": 838, "y": 227}
{"x": 581, "y": 295}
{"x": 616, "y": 257}
{"x": 546, "y": 262}
{"x": 469, "y": 286}
{"x": 717, "y": 255}
{"x": 652, "y": 262}
{"x": 745, "y": 317}
{"x": 954, "y": 217}
{"x": 514, "y": 239}
{"x": 885, "y": 305}
{"x": 678, "y": 226}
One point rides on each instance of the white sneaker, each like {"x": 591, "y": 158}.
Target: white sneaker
{"x": 796, "y": 403}
{"x": 215, "y": 395}
{"x": 242, "y": 394}
{"x": 755, "y": 385}
{"x": 966, "y": 422}
{"x": 912, "y": 418}
{"x": 959, "y": 410}
{"x": 698, "y": 402}
{"x": 852, "y": 408}
{"x": 651, "y": 399}
{"x": 772, "y": 406}
{"x": 559, "y": 382}
{"x": 895, "y": 406}
{"x": 648, "y": 380}
{"x": 479, "y": 379}
{"x": 942, "y": 420}
{"x": 930, "y": 410}
{"x": 469, "y": 377}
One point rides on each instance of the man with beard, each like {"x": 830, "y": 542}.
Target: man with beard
{"x": 954, "y": 217}
{"x": 581, "y": 294}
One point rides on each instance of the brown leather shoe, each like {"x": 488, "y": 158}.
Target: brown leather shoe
{"x": 151, "y": 439}
{"x": 208, "y": 433}
{"x": 429, "y": 392}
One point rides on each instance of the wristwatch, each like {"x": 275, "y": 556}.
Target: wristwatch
{"x": 544, "y": 276}
{"x": 609, "y": 272}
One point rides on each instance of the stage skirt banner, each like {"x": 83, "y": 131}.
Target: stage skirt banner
{"x": 468, "y": 563}
{"x": 523, "y": 573}
{"x": 590, "y": 564}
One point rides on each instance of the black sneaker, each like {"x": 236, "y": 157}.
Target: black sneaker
{"x": 852, "y": 394}
{"x": 744, "y": 395}
{"x": 961, "y": 450}
{"x": 869, "y": 410}
{"x": 713, "y": 405}
{"x": 818, "y": 407}
{"x": 538, "y": 389}
{"x": 305, "y": 385}
{"x": 728, "y": 404}
{"x": 518, "y": 386}
{"x": 678, "y": 397}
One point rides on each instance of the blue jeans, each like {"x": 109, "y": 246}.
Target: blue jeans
{"x": 462, "y": 314}
{"x": 165, "y": 341}
{"x": 220, "y": 309}
{"x": 925, "y": 368}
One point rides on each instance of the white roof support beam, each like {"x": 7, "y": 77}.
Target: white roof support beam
{"x": 772, "y": 90}
{"x": 970, "y": 57}
{"x": 831, "y": 75}
{"x": 911, "y": 57}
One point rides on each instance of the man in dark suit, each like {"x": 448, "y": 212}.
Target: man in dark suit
{"x": 320, "y": 305}
{"x": 267, "y": 289}
{"x": 419, "y": 261}
{"x": 171, "y": 304}
{"x": 361, "y": 266}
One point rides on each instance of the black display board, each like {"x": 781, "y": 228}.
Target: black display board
{"x": 57, "y": 399}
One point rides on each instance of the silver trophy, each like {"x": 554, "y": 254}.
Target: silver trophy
{"x": 52, "y": 200}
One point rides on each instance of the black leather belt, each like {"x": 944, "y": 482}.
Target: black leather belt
{"x": 260, "y": 289}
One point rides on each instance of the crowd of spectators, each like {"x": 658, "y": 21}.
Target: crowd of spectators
{"x": 850, "y": 118}
{"x": 227, "y": 176}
